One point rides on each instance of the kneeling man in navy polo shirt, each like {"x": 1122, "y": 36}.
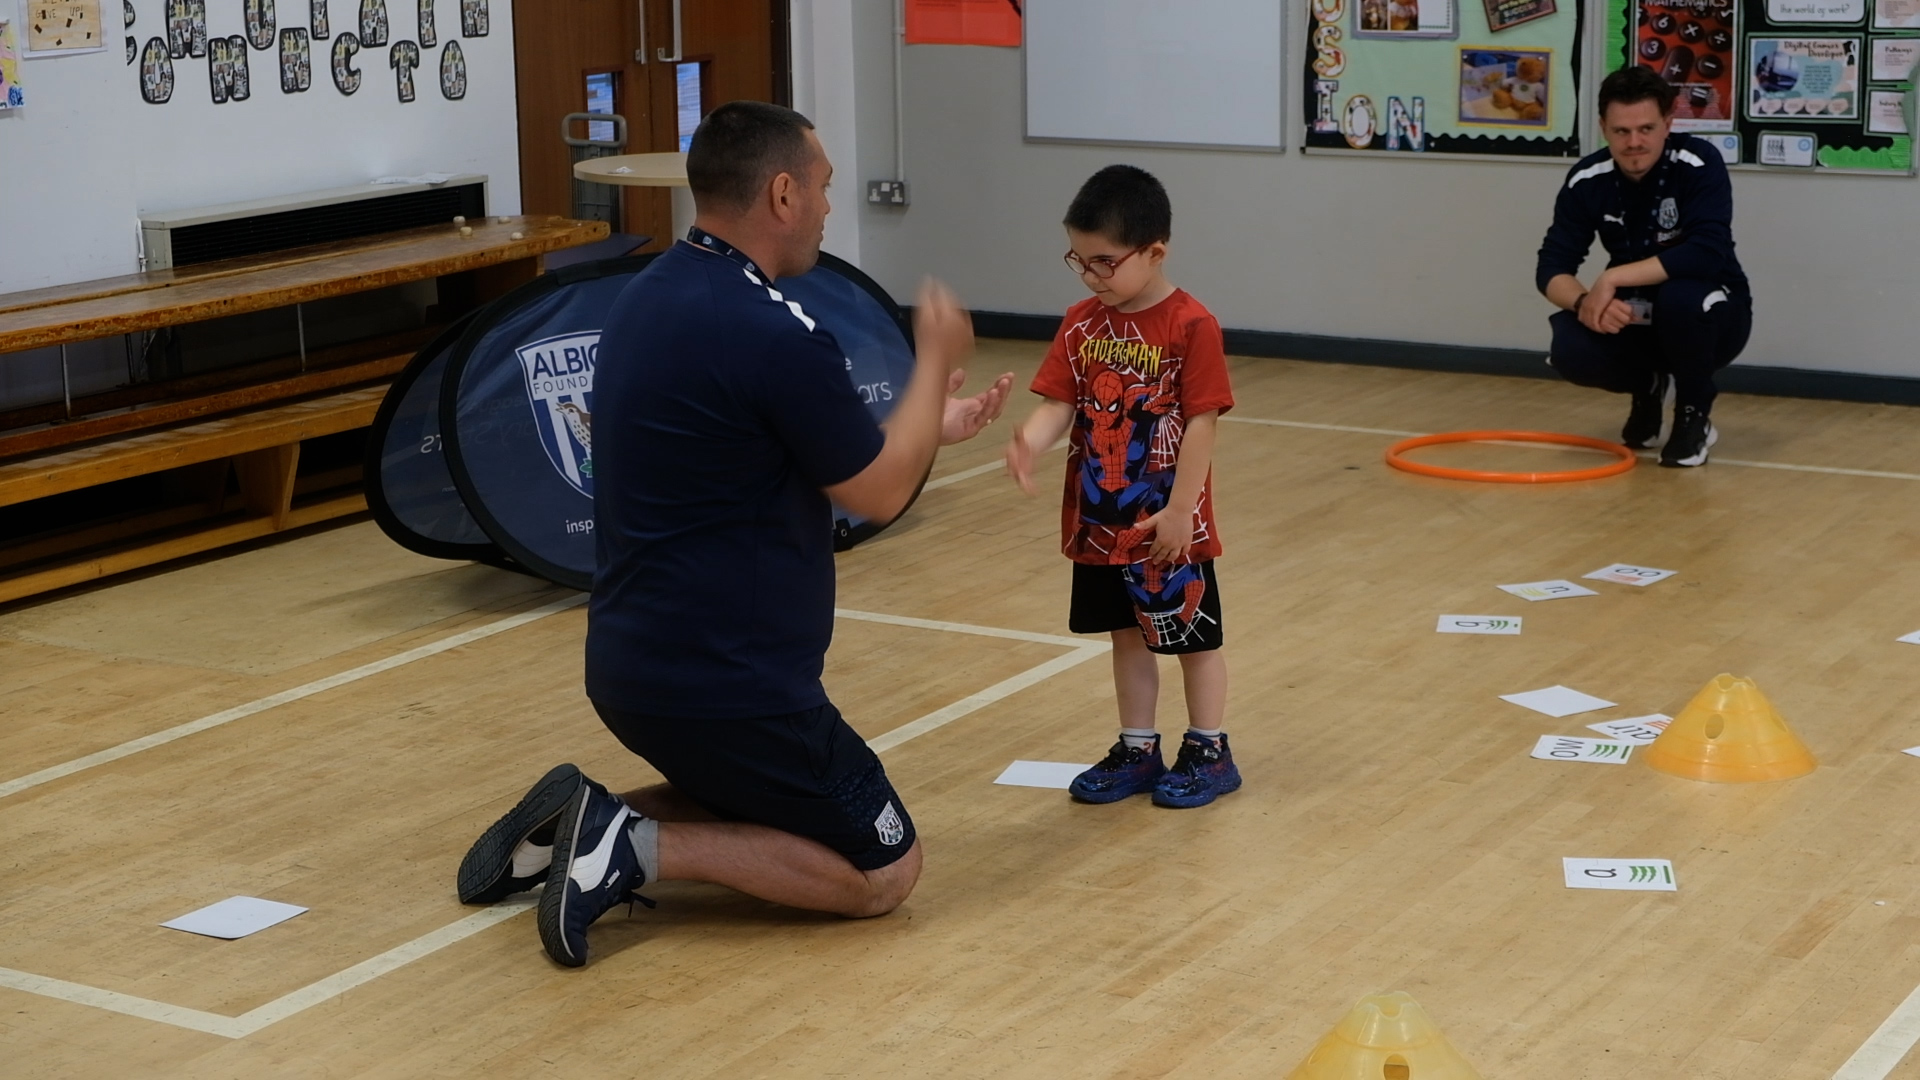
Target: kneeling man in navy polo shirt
{"x": 724, "y": 421}
{"x": 1672, "y": 306}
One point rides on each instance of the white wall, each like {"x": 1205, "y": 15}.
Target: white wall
{"x": 823, "y": 91}
{"x": 1411, "y": 250}
{"x": 87, "y": 155}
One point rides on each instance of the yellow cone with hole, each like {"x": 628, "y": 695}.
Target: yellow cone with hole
{"x": 1730, "y": 734}
{"x": 1385, "y": 1037}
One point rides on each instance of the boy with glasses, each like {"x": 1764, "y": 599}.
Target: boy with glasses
{"x": 1139, "y": 372}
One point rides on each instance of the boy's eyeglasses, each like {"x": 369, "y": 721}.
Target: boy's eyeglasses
{"x": 1100, "y": 266}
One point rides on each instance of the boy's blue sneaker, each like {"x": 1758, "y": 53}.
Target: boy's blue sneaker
{"x": 1202, "y": 773}
{"x": 1124, "y": 771}
{"x": 594, "y": 871}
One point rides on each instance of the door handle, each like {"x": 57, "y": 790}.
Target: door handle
{"x": 662, "y": 53}
{"x": 640, "y": 54}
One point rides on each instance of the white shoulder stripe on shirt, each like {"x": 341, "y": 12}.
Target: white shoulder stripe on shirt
{"x": 793, "y": 306}
{"x": 1598, "y": 168}
{"x": 1687, "y": 156}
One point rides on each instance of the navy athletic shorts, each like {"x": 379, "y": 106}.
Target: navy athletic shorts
{"x": 806, "y": 773}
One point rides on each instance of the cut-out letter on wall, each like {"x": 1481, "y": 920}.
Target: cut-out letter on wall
{"x": 317, "y": 19}
{"x": 296, "y": 61}
{"x": 227, "y": 69}
{"x": 127, "y": 13}
{"x": 346, "y": 77}
{"x": 429, "y": 34}
{"x": 453, "y": 72}
{"x": 373, "y": 23}
{"x": 133, "y": 48}
{"x": 403, "y": 58}
{"x": 186, "y": 28}
{"x": 473, "y": 18}
{"x": 261, "y": 23}
{"x": 156, "y": 72}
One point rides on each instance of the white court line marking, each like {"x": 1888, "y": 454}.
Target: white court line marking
{"x": 1885, "y": 1048}
{"x": 306, "y": 997}
{"x": 1828, "y": 470}
{"x": 238, "y": 712}
{"x": 978, "y": 470}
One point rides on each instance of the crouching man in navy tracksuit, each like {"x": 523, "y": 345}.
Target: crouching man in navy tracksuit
{"x": 1672, "y": 306}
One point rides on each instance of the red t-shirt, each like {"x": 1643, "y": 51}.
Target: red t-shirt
{"x": 1132, "y": 378}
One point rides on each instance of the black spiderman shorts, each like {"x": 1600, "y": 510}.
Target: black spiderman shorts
{"x": 1176, "y": 608}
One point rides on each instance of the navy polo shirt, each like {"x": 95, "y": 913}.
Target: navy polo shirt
{"x": 721, "y": 410}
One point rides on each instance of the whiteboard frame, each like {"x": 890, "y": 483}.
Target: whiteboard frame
{"x": 1284, "y": 135}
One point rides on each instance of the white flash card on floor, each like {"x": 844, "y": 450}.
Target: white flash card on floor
{"x": 1547, "y": 590}
{"x": 1622, "y": 574}
{"x": 1911, "y": 639}
{"x": 1052, "y": 774}
{"x": 1914, "y": 750}
{"x": 234, "y": 917}
{"x": 1573, "y": 748}
{"x": 1637, "y": 875}
{"x": 1557, "y": 701}
{"x": 1634, "y": 729}
{"x": 1479, "y": 624}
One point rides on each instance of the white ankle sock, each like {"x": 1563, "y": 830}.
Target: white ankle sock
{"x": 1138, "y": 738}
{"x": 530, "y": 859}
{"x": 644, "y": 835}
{"x": 1205, "y": 733}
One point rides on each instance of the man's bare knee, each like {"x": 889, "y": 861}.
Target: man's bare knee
{"x": 889, "y": 886}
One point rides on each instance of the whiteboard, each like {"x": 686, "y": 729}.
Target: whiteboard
{"x": 1188, "y": 73}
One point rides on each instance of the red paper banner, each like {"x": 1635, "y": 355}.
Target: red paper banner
{"x": 963, "y": 22}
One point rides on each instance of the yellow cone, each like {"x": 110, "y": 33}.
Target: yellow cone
{"x": 1730, "y": 734}
{"x": 1385, "y": 1037}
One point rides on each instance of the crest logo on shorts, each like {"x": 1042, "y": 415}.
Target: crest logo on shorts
{"x": 559, "y": 373}
{"x": 1669, "y": 213}
{"x": 891, "y": 829}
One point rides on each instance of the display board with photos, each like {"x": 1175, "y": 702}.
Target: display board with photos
{"x": 1488, "y": 77}
{"x": 1811, "y": 84}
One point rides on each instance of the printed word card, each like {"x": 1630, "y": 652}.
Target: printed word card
{"x": 1047, "y": 774}
{"x": 1622, "y": 574}
{"x": 234, "y": 917}
{"x": 1548, "y": 590}
{"x": 1914, "y": 750}
{"x": 1634, "y": 729}
{"x": 1911, "y": 639}
{"x": 1571, "y": 748}
{"x": 1557, "y": 701}
{"x": 1636, "y": 875}
{"x": 1479, "y": 624}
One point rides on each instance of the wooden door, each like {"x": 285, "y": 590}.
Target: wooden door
{"x": 728, "y": 50}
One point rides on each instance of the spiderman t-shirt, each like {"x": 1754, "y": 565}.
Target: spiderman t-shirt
{"x": 1133, "y": 378}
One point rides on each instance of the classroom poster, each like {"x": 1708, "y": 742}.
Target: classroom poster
{"x": 11, "y": 96}
{"x": 963, "y": 22}
{"x": 1492, "y": 77}
{"x": 60, "y": 28}
{"x": 1806, "y": 84}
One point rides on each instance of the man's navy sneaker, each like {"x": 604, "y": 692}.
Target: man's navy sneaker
{"x": 1202, "y": 773}
{"x": 1124, "y": 771}
{"x": 486, "y": 874}
{"x": 594, "y": 871}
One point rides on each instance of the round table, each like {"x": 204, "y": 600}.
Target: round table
{"x": 668, "y": 170}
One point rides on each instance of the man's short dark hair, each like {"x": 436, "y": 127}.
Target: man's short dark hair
{"x": 743, "y": 145}
{"x": 1632, "y": 85}
{"x": 1123, "y": 204}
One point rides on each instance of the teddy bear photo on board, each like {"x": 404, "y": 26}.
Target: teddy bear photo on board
{"x": 1505, "y": 87}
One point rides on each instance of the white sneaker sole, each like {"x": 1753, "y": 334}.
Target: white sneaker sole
{"x": 1713, "y": 436}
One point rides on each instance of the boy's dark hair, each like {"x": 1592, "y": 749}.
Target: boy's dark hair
{"x": 1123, "y": 204}
{"x": 741, "y": 146}
{"x": 1632, "y": 85}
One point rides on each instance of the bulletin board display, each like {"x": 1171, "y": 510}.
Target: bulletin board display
{"x": 1809, "y": 84}
{"x": 1483, "y": 77}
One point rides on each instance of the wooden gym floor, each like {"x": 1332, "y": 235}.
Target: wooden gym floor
{"x": 1392, "y": 833}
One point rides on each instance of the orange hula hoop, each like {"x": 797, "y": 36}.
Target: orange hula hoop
{"x": 1626, "y": 457}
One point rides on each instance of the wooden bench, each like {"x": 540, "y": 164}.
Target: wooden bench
{"x": 231, "y": 439}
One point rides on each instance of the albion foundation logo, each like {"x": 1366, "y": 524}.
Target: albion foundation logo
{"x": 559, "y": 374}
{"x": 889, "y": 826}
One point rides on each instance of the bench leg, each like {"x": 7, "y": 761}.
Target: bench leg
{"x": 266, "y": 480}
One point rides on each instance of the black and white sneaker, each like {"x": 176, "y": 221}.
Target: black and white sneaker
{"x": 1693, "y": 434}
{"x": 594, "y": 871}
{"x": 488, "y": 873}
{"x": 1647, "y": 418}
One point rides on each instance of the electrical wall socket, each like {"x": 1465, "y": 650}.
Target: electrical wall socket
{"x": 887, "y": 192}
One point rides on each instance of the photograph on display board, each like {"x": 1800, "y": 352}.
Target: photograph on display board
{"x": 11, "y": 95}
{"x": 1407, "y": 18}
{"x": 1896, "y": 14}
{"x": 1799, "y": 78}
{"x": 1692, "y": 44}
{"x": 1506, "y": 14}
{"x": 1505, "y": 87}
